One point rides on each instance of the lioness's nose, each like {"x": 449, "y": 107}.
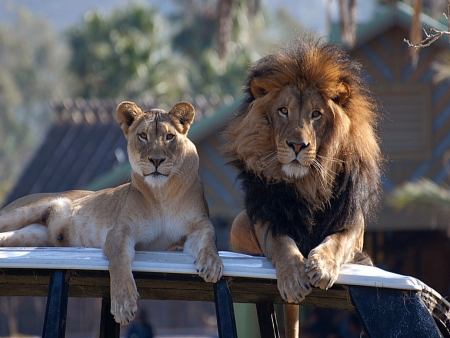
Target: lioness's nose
{"x": 297, "y": 147}
{"x": 156, "y": 161}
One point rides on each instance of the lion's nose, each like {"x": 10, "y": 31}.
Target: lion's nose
{"x": 156, "y": 161}
{"x": 297, "y": 147}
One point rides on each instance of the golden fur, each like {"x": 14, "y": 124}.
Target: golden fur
{"x": 163, "y": 207}
{"x": 305, "y": 146}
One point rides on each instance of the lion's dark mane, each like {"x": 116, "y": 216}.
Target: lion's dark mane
{"x": 280, "y": 204}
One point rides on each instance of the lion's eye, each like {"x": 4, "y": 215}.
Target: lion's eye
{"x": 142, "y": 136}
{"x": 283, "y": 111}
{"x": 170, "y": 137}
{"x": 316, "y": 114}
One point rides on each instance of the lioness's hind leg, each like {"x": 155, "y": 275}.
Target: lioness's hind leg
{"x": 34, "y": 209}
{"x": 22, "y": 216}
{"x": 31, "y": 235}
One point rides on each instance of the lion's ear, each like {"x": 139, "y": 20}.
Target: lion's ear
{"x": 127, "y": 113}
{"x": 182, "y": 115}
{"x": 259, "y": 87}
{"x": 343, "y": 94}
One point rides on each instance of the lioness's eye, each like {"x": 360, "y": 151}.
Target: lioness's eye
{"x": 316, "y": 114}
{"x": 283, "y": 111}
{"x": 170, "y": 137}
{"x": 142, "y": 136}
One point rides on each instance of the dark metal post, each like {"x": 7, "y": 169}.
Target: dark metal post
{"x": 267, "y": 319}
{"x": 56, "y": 309}
{"x": 108, "y": 326}
{"x": 226, "y": 322}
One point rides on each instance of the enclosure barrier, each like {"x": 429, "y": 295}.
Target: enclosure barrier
{"x": 388, "y": 305}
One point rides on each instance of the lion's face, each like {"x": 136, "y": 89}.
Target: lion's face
{"x": 156, "y": 139}
{"x": 307, "y": 119}
{"x": 291, "y": 131}
{"x": 299, "y": 121}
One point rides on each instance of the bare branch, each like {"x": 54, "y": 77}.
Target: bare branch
{"x": 431, "y": 36}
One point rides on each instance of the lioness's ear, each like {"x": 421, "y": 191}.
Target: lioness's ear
{"x": 343, "y": 94}
{"x": 259, "y": 87}
{"x": 127, "y": 112}
{"x": 182, "y": 115}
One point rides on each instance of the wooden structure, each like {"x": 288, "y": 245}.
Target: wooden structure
{"x": 415, "y": 116}
{"x": 415, "y": 139}
{"x": 383, "y": 301}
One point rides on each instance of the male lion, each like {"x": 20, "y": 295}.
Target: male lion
{"x": 162, "y": 208}
{"x": 304, "y": 144}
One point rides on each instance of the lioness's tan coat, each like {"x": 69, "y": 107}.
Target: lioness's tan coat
{"x": 161, "y": 209}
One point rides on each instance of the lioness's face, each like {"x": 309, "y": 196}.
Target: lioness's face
{"x": 154, "y": 147}
{"x": 299, "y": 119}
{"x": 156, "y": 139}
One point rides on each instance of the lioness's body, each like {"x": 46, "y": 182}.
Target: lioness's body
{"x": 162, "y": 208}
{"x": 102, "y": 209}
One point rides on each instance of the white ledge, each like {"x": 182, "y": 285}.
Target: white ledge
{"x": 236, "y": 265}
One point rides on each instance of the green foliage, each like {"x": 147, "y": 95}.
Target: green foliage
{"x": 421, "y": 195}
{"x": 124, "y": 54}
{"x": 32, "y": 66}
{"x": 441, "y": 66}
{"x": 134, "y": 52}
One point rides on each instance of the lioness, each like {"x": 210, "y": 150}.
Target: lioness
{"x": 162, "y": 208}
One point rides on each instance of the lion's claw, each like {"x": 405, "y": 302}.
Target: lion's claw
{"x": 292, "y": 281}
{"x": 321, "y": 271}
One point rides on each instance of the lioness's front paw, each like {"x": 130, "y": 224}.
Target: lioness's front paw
{"x": 321, "y": 269}
{"x": 292, "y": 281}
{"x": 209, "y": 265}
{"x": 124, "y": 296}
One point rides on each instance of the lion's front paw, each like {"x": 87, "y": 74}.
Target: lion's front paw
{"x": 124, "y": 296}
{"x": 321, "y": 269}
{"x": 209, "y": 265}
{"x": 292, "y": 281}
